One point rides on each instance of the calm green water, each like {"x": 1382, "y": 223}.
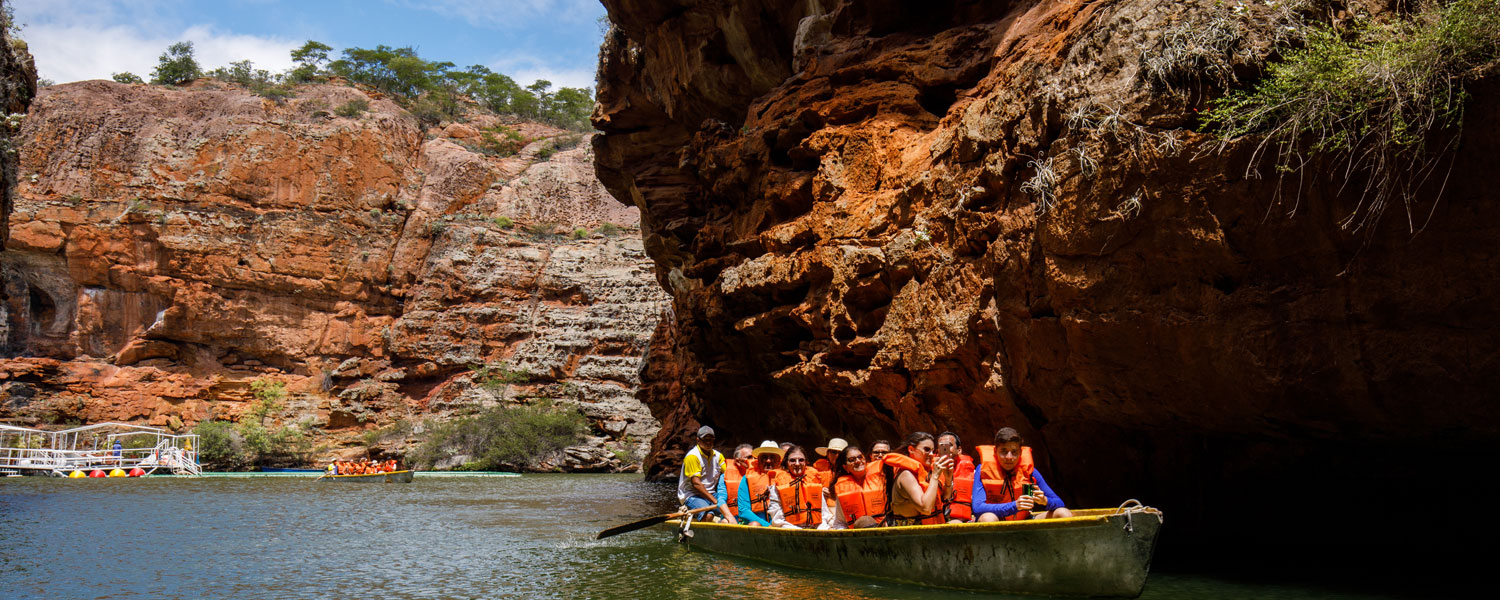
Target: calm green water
{"x": 521, "y": 537}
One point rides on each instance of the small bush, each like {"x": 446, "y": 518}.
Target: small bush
{"x": 397, "y": 430}
{"x": 541, "y": 230}
{"x": 503, "y": 437}
{"x": 436, "y": 228}
{"x": 580, "y": 233}
{"x": 494, "y": 377}
{"x": 609, "y": 229}
{"x": 501, "y": 141}
{"x": 220, "y": 446}
{"x": 504, "y": 222}
{"x": 545, "y": 152}
{"x": 126, "y": 77}
{"x": 1373, "y": 92}
{"x": 353, "y": 108}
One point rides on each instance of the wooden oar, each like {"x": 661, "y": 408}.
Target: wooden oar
{"x": 644, "y": 523}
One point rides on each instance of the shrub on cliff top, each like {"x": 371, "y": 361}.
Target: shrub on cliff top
{"x": 176, "y": 65}
{"x": 1374, "y": 92}
{"x": 502, "y": 437}
{"x": 126, "y": 77}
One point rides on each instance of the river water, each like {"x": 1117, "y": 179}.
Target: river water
{"x": 438, "y": 537}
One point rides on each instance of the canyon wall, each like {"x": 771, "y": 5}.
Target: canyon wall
{"x": 875, "y": 217}
{"x": 168, "y": 247}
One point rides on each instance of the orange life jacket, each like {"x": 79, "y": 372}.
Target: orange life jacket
{"x": 801, "y": 498}
{"x": 732, "y": 477}
{"x": 760, "y": 490}
{"x": 901, "y": 462}
{"x": 996, "y": 488}
{"x": 865, "y": 499}
{"x": 825, "y": 470}
{"x": 958, "y": 503}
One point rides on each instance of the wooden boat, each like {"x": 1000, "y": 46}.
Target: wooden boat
{"x": 391, "y": 477}
{"x": 1097, "y": 552}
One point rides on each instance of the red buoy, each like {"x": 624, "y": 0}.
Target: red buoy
{"x": 137, "y": 472}
{"x": 97, "y": 473}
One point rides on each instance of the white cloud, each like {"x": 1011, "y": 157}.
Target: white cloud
{"x": 66, "y": 53}
{"x": 526, "y": 68}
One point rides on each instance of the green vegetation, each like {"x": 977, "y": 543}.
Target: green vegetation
{"x": 609, "y": 229}
{"x": 494, "y": 377}
{"x": 502, "y": 437}
{"x": 176, "y": 65}
{"x": 249, "y": 443}
{"x": 430, "y": 90}
{"x": 501, "y": 141}
{"x": 260, "y": 81}
{"x": 436, "y": 228}
{"x": 353, "y": 108}
{"x": 504, "y": 222}
{"x": 541, "y": 230}
{"x": 126, "y": 77}
{"x": 311, "y": 59}
{"x": 1374, "y": 92}
{"x": 580, "y": 233}
{"x": 397, "y": 430}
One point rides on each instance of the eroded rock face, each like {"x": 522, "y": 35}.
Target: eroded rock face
{"x": 880, "y": 217}
{"x": 170, "y": 246}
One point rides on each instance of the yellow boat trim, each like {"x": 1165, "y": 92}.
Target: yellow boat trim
{"x": 1081, "y": 518}
{"x": 368, "y": 474}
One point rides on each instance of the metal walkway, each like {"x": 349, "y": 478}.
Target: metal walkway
{"x": 105, "y": 446}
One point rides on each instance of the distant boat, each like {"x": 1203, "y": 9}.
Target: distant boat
{"x": 1097, "y": 552}
{"x": 391, "y": 477}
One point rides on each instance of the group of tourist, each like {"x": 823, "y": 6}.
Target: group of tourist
{"x": 363, "y": 466}
{"x": 926, "y": 480}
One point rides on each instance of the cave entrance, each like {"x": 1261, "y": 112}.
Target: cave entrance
{"x": 43, "y": 310}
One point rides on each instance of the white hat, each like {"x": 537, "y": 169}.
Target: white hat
{"x": 834, "y": 445}
{"x": 767, "y": 447}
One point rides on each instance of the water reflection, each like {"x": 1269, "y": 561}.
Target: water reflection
{"x": 435, "y": 538}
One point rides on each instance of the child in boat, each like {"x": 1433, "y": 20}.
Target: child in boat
{"x": 1005, "y": 473}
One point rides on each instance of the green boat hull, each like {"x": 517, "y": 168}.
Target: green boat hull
{"x": 1095, "y": 553}
{"x": 392, "y": 477}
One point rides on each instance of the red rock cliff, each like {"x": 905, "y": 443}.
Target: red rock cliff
{"x": 876, "y": 217}
{"x": 168, "y": 247}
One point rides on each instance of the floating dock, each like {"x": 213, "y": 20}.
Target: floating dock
{"x": 96, "y": 449}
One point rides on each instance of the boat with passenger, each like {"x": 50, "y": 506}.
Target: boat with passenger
{"x": 387, "y": 477}
{"x": 1095, "y": 552}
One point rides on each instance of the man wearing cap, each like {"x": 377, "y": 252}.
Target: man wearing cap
{"x": 825, "y": 465}
{"x": 701, "y": 483}
{"x": 755, "y": 491}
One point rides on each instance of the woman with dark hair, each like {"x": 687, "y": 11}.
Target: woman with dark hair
{"x": 1008, "y": 478}
{"x": 797, "y": 501}
{"x": 913, "y": 480}
{"x": 858, "y": 498}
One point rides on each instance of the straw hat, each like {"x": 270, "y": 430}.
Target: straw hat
{"x": 767, "y": 447}
{"x": 834, "y": 445}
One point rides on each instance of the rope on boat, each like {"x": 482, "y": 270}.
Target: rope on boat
{"x": 685, "y": 533}
{"x": 1132, "y": 507}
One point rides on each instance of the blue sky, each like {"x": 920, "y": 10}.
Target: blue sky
{"x": 73, "y": 40}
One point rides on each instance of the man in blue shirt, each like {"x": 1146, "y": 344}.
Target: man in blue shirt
{"x": 1007, "y": 470}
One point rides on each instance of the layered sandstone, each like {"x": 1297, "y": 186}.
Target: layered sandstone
{"x": 880, "y": 217}
{"x": 170, "y": 246}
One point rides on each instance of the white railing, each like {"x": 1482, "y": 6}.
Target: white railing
{"x": 57, "y": 451}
